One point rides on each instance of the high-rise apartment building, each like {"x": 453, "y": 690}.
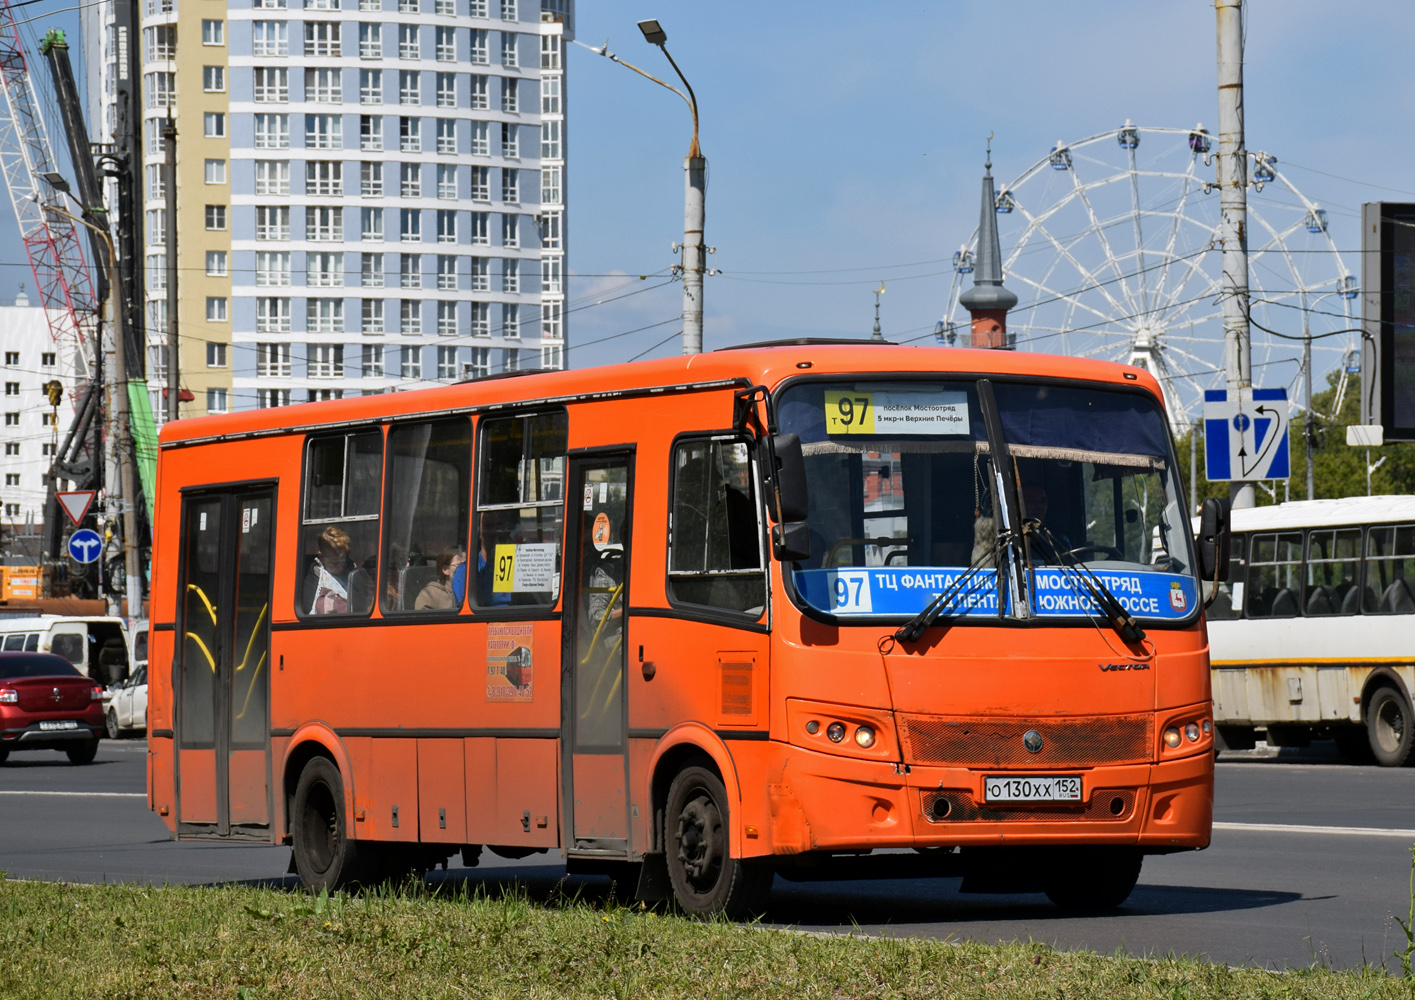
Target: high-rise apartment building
{"x": 370, "y": 193}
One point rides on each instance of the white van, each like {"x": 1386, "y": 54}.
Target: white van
{"x": 99, "y": 647}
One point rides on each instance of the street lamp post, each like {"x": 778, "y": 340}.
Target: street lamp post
{"x": 694, "y": 193}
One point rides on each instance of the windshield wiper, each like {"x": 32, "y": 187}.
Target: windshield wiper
{"x": 1111, "y": 609}
{"x": 914, "y": 628}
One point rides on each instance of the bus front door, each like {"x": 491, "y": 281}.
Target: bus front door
{"x": 593, "y": 699}
{"x": 222, "y": 669}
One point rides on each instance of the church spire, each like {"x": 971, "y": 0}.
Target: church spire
{"x": 988, "y": 301}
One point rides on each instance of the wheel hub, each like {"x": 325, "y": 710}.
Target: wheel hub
{"x": 697, "y": 847}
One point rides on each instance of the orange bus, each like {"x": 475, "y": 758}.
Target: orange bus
{"x": 817, "y": 609}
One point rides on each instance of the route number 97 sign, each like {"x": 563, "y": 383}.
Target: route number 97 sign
{"x": 896, "y": 412}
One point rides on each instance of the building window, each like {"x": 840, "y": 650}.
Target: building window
{"x": 551, "y": 356}
{"x": 446, "y": 363}
{"x": 550, "y": 140}
{"x": 550, "y": 185}
{"x": 446, "y": 96}
{"x": 550, "y": 280}
{"x": 410, "y": 270}
{"x": 549, "y": 51}
{"x": 257, "y": 4}
{"x": 216, "y": 401}
{"x": 156, "y": 189}
{"x": 408, "y": 47}
{"x": 481, "y": 144}
{"x": 272, "y": 315}
{"x": 444, "y": 8}
{"x": 508, "y": 49}
{"x": 480, "y": 364}
{"x": 272, "y": 131}
{"x": 267, "y": 398}
{"x": 46, "y": 360}
{"x": 510, "y": 141}
{"x": 509, "y": 90}
{"x": 12, "y": 419}
{"x": 447, "y": 320}
{"x": 410, "y": 135}
{"x": 324, "y": 270}
{"x": 481, "y": 319}
{"x": 446, "y": 272}
{"x": 371, "y": 225}
{"x": 157, "y": 272}
{"x": 321, "y": 38}
{"x": 215, "y": 171}
{"x": 160, "y": 89}
{"x": 215, "y": 309}
{"x": 215, "y": 355}
{"x": 550, "y": 95}
{"x": 510, "y": 320}
{"x": 272, "y": 222}
{"x": 213, "y": 32}
{"x": 511, "y": 230}
{"x": 160, "y": 43}
{"x": 446, "y": 225}
{"x": 510, "y": 185}
{"x": 324, "y": 177}
{"x": 410, "y": 180}
{"x": 476, "y": 8}
{"x": 216, "y": 263}
{"x": 410, "y": 362}
{"x": 12, "y": 448}
{"x": 481, "y": 184}
{"x": 480, "y": 235}
{"x": 157, "y": 316}
{"x": 371, "y": 272}
{"x": 370, "y": 41}
{"x": 214, "y": 124}
{"x": 12, "y": 479}
{"x": 270, "y": 38}
{"x": 272, "y": 85}
{"x": 446, "y": 180}
{"x": 372, "y": 366}
{"x": 324, "y": 132}
{"x": 325, "y": 360}
{"x": 410, "y": 317}
{"x": 550, "y": 320}
{"x": 12, "y": 388}
{"x": 216, "y": 217}
{"x": 273, "y": 361}
{"x": 480, "y": 282}
{"x": 550, "y": 228}
{"x": 12, "y": 510}
{"x": 508, "y": 10}
{"x": 373, "y": 315}
{"x": 325, "y": 225}
{"x": 479, "y": 50}
{"x": 213, "y": 79}
{"x": 324, "y": 86}
{"x": 371, "y": 179}
{"x": 324, "y": 315}
{"x": 157, "y": 227}
{"x": 510, "y": 275}
{"x": 446, "y": 135}
{"x": 272, "y": 177}
{"x": 272, "y": 268}
{"x": 370, "y": 133}
{"x": 512, "y": 359}
{"x": 478, "y": 101}
{"x": 409, "y": 87}
{"x": 370, "y": 86}
{"x": 443, "y": 46}
{"x": 48, "y": 449}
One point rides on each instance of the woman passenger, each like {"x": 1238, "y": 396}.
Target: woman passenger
{"x": 437, "y": 595}
{"x": 326, "y": 588}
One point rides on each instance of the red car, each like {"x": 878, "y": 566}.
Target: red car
{"x": 46, "y": 704}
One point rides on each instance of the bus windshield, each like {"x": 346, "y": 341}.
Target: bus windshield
{"x": 905, "y": 500}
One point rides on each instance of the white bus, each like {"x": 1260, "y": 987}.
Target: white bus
{"x": 1313, "y": 636}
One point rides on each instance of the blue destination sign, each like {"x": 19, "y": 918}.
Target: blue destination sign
{"x": 907, "y": 590}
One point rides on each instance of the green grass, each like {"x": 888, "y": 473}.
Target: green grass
{"x": 123, "y": 941}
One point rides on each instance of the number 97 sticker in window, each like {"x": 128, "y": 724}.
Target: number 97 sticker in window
{"x": 851, "y": 590}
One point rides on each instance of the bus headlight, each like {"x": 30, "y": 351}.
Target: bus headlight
{"x": 865, "y": 736}
{"x": 835, "y": 732}
{"x": 1191, "y": 733}
{"x": 1172, "y": 737}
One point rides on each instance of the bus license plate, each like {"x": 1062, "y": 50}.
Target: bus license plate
{"x": 1033, "y": 788}
{"x": 50, "y": 727}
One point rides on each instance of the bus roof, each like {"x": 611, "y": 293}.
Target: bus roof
{"x": 1324, "y": 513}
{"x": 756, "y": 365}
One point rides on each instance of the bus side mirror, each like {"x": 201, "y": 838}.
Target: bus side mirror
{"x": 790, "y": 537}
{"x": 1213, "y": 541}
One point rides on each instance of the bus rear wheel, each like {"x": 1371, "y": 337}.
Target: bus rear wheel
{"x": 325, "y": 857}
{"x": 1389, "y": 727}
{"x": 706, "y": 879}
{"x": 1092, "y": 879}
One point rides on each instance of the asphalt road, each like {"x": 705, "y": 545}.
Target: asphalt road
{"x": 1263, "y": 894}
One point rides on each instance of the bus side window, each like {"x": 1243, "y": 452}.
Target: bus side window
{"x": 1390, "y": 570}
{"x": 429, "y": 488}
{"x": 339, "y": 526}
{"x": 715, "y": 549}
{"x": 1229, "y": 601}
{"x": 1275, "y": 576}
{"x": 519, "y": 510}
{"x": 1333, "y": 565}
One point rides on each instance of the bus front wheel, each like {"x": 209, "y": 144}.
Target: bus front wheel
{"x": 1092, "y": 879}
{"x": 1389, "y": 727}
{"x": 325, "y": 857}
{"x": 706, "y": 879}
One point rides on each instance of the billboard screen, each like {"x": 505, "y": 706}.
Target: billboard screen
{"x": 1389, "y": 312}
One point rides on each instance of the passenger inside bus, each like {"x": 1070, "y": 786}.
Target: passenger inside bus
{"x": 437, "y": 594}
{"x": 332, "y": 585}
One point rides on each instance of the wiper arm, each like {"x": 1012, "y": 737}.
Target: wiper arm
{"x": 914, "y": 628}
{"x": 1121, "y": 620}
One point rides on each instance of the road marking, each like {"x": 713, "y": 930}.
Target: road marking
{"x": 1352, "y": 831}
{"x": 81, "y": 795}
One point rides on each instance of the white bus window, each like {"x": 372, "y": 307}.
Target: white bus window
{"x": 15, "y": 642}
{"x": 1333, "y": 568}
{"x": 1390, "y": 570}
{"x": 1275, "y": 576}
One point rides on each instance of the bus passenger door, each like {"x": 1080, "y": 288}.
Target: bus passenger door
{"x": 222, "y": 667}
{"x": 593, "y": 699}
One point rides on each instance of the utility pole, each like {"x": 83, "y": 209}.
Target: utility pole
{"x": 1233, "y": 209}
{"x": 169, "y": 173}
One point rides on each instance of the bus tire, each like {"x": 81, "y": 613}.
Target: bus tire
{"x": 706, "y": 879}
{"x": 1092, "y": 879}
{"x": 1389, "y": 727}
{"x": 324, "y": 856}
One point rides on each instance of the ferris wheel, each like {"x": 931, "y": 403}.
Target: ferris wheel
{"x": 1111, "y": 246}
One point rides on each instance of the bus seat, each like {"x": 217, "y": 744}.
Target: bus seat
{"x": 1321, "y": 601}
{"x": 1351, "y": 603}
{"x": 414, "y": 580}
{"x": 360, "y": 591}
{"x": 1369, "y": 601}
{"x": 1284, "y": 604}
{"x": 1398, "y": 598}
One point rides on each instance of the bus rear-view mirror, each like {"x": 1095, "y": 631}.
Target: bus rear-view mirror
{"x": 1213, "y": 541}
{"x": 790, "y": 537}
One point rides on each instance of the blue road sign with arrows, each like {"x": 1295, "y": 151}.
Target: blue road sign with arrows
{"x": 1245, "y": 435}
{"x": 85, "y": 545}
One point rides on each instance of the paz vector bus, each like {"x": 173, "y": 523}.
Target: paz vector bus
{"x": 775, "y": 610}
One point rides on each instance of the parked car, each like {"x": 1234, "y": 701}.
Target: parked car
{"x": 126, "y": 705}
{"x": 46, "y": 703}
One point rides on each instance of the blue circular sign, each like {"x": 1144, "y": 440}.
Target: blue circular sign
{"x": 1241, "y": 422}
{"x": 85, "y": 545}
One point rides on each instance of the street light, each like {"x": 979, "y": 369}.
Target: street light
{"x": 694, "y": 193}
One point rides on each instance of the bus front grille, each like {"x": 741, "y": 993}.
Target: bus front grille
{"x": 1106, "y": 805}
{"x": 1071, "y": 741}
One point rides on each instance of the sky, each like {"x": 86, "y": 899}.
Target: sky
{"x": 846, "y": 141}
